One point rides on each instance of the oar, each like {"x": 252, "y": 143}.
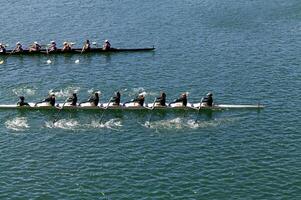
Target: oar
{"x": 198, "y": 114}
{"x": 2, "y": 61}
{"x": 57, "y": 115}
{"x": 105, "y": 110}
{"x": 47, "y": 52}
{"x": 150, "y": 116}
{"x": 81, "y": 52}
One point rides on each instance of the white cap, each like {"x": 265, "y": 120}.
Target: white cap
{"x": 0, "y": 44}
{"x": 18, "y": 43}
{"x": 52, "y": 42}
{"x": 36, "y": 43}
{"x": 209, "y": 94}
{"x": 52, "y": 94}
{"x": 106, "y": 40}
{"x": 65, "y": 43}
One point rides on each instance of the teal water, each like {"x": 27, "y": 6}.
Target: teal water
{"x": 245, "y": 52}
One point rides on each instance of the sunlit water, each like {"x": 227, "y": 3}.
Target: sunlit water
{"x": 245, "y": 52}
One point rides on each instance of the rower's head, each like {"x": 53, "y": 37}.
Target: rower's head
{"x": 88, "y": 41}
{"x": 96, "y": 94}
{"x": 118, "y": 94}
{"x": 184, "y": 95}
{"x": 106, "y": 41}
{"x": 36, "y": 43}
{"x": 52, "y": 42}
{"x": 18, "y": 43}
{"x": 22, "y": 98}
{"x": 74, "y": 94}
{"x": 65, "y": 43}
{"x": 209, "y": 94}
{"x": 163, "y": 94}
{"x": 52, "y": 95}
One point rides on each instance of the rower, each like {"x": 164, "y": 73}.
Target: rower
{"x": 35, "y": 47}
{"x": 106, "y": 45}
{"x": 182, "y": 98}
{"x": 94, "y": 99}
{"x": 139, "y": 99}
{"x": 22, "y": 102}
{"x": 116, "y": 99}
{"x": 50, "y": 99}
{"x": 161, "y": 99}
{"x": 72, "y": 100}
{"x": 66, "y": 47}
{"x": 52, "y": 47}
{"x": 87, "y": 46}
{"x": 208, "y": 100}
{"x": 18, "y": 47}
{"x": 2, "y": 48}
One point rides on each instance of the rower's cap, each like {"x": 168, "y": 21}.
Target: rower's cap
{"x": 65, "y": 43}
{"x": 0, "y": 44}
{"x": 36, "y": 43}
{"x": 18, "y": 43}
{"x": 106, "y": 40}
{"x": 209, "y": 94}
{"x": 52, "y": 94}
{"x": 52, "y": 42}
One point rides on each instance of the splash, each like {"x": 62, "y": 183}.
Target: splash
{"x": 24, "y": 91}
{"x": 179, "y": 123}
{"x": 113, "y": 124}
{"x": 17, "y": 124}
{"x": 90, "y": 91}
{"x": 63, "y": 124}
{"x": 65, "y": 92}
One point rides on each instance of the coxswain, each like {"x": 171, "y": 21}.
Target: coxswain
{"x": 116, "y": 99}
{"x": 50, "y": 99}
{"x": 18, "y": 47}
{"x": 208, "y": 100}
{"x": 22, "y": 102}
{"x": 161, "y": 99}
{"x": 182, "y": 98}
{"x": 2, "y": 48}
{"x": 35, "y": 47}
{"x": 106, "y": 45}
{"x": 66, "y": 46}
{"x": 139, "y": 99}
{"x": 72, "y": 100}
{"x": 52, "y": 47}
{"x": 87, "y": 46}
{"x": 94, "y": 99}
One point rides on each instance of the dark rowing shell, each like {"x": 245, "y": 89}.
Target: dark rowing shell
{"x": 75, "y": 51}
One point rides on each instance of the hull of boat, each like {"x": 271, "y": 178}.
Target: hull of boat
{"x": 130, "y": 106}
{"x": 75, "y": 51}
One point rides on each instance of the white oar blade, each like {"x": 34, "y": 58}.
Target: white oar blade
{"x": 48, "y": 61}
{"x": 1, "y": 62}
{"x": 77, "y": 61}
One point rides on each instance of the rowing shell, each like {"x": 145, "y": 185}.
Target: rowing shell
{"x": 130, "y": 106}
{"x": 75, "y": 51}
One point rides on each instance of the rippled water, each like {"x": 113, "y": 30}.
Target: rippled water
{"x": 245, "y": 52}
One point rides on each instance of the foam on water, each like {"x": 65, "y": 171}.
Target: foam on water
{"x": 24, "y": 91}
{"x": 17, "y": 124}
{"x": 69, "y": 124}
{"x": 65, "y": 92}
{"x": 181, "y": 123}
{"x": 113, "y": 124}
